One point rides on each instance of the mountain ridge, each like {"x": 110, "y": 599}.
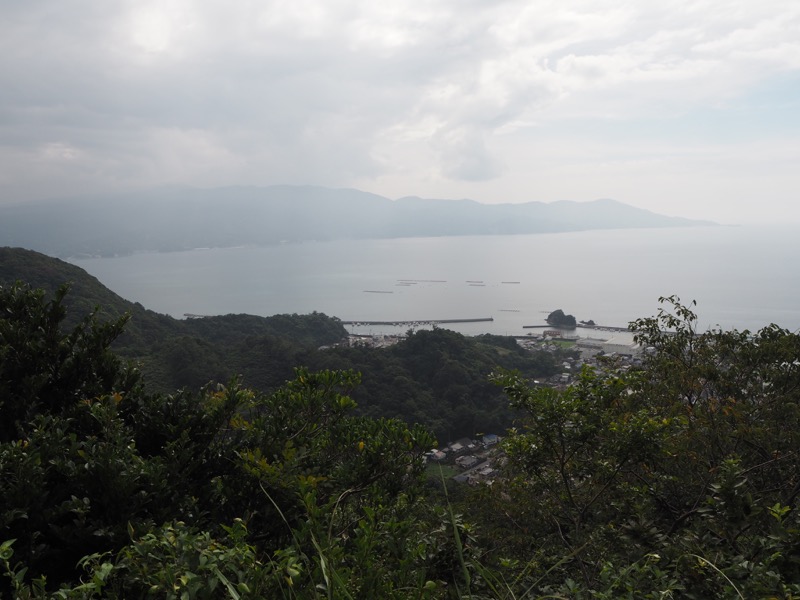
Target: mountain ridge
{"x": 181, "y": 218}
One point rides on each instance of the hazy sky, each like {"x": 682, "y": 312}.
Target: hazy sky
{"x": 688, "y": 107}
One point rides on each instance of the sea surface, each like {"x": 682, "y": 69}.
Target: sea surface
{"x": 741, "y": 277}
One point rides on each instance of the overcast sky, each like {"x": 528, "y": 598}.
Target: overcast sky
{"x": 687, "y": 107}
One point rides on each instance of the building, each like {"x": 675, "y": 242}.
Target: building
{"x": 490, "y": 439}
{"x": 466, "y": 462}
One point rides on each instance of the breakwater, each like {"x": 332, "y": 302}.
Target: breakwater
{"x": 420, "y": 322}
{"x": 595, "y": 327}
{"x": 603, "y": 327}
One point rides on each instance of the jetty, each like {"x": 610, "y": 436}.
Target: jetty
{"x": 419, "y": 322}
{"x": 602, "y": 327}
{"x": 579, "y": 326}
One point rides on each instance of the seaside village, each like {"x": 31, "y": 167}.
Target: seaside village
{"x": 476, "y": 461}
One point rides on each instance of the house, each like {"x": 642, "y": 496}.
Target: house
{"x": 437, "y": 455}
{"x": 461, "y": 445}
{"x": 487, "y": 471}
{"x": 466, "y": 462}
{"x": 490, "y": 439}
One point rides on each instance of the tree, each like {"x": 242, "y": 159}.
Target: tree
{"x": 44, "y": 370}
{"x": 679, "y": 477}
{"x": 577, "y": 452}
{"x": 224, "y": 488}
{"x": 70, "y": 476}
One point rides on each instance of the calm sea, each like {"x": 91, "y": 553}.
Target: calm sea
{"x": 742, "y": 277}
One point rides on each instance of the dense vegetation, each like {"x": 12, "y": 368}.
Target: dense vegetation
{"x": 225, "y": 492}
{"x": 147, "y": 331}
{"x": 677, "y": 479}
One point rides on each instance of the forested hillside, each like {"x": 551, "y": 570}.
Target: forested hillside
{"x": 147, "y": 329}
{"x": 677, "y": 479}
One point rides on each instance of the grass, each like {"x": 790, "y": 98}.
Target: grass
{"x": 563, "y": 343}
{"x": 439, "y": 471}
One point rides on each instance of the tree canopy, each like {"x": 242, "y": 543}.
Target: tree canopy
{"x": 678, "y": 478}
{"x": 170, "y": 495}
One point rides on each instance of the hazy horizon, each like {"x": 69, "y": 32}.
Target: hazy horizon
{"x": 133, "y": 192}
{"x": 685, "y": 110}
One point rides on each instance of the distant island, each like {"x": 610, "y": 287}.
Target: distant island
{"x": 182, "y": 218}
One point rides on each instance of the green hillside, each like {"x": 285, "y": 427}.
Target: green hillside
{"x": 86, "y": 295}
{"x": 148, "y": 330}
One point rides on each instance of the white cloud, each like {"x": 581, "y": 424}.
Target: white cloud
{"x": 402, "y": 99}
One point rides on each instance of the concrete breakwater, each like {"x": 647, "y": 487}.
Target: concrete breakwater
{"x": 603, "y": 327}
{"x": 419, "y": 322}
{"x": 595, "y": 327}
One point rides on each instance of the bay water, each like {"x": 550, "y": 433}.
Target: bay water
{"x": 741, "y": 277}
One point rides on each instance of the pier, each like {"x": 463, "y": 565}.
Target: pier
{"x": 579, "y": 326}
{"x": 419, "y": 322}
{"x": 603, "y": 327}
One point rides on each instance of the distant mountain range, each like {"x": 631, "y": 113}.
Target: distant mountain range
{"x": 179, "y": 218}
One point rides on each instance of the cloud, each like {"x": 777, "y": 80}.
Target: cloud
{"x": 423, "y": 95}
{"x": 463, "y": 155}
